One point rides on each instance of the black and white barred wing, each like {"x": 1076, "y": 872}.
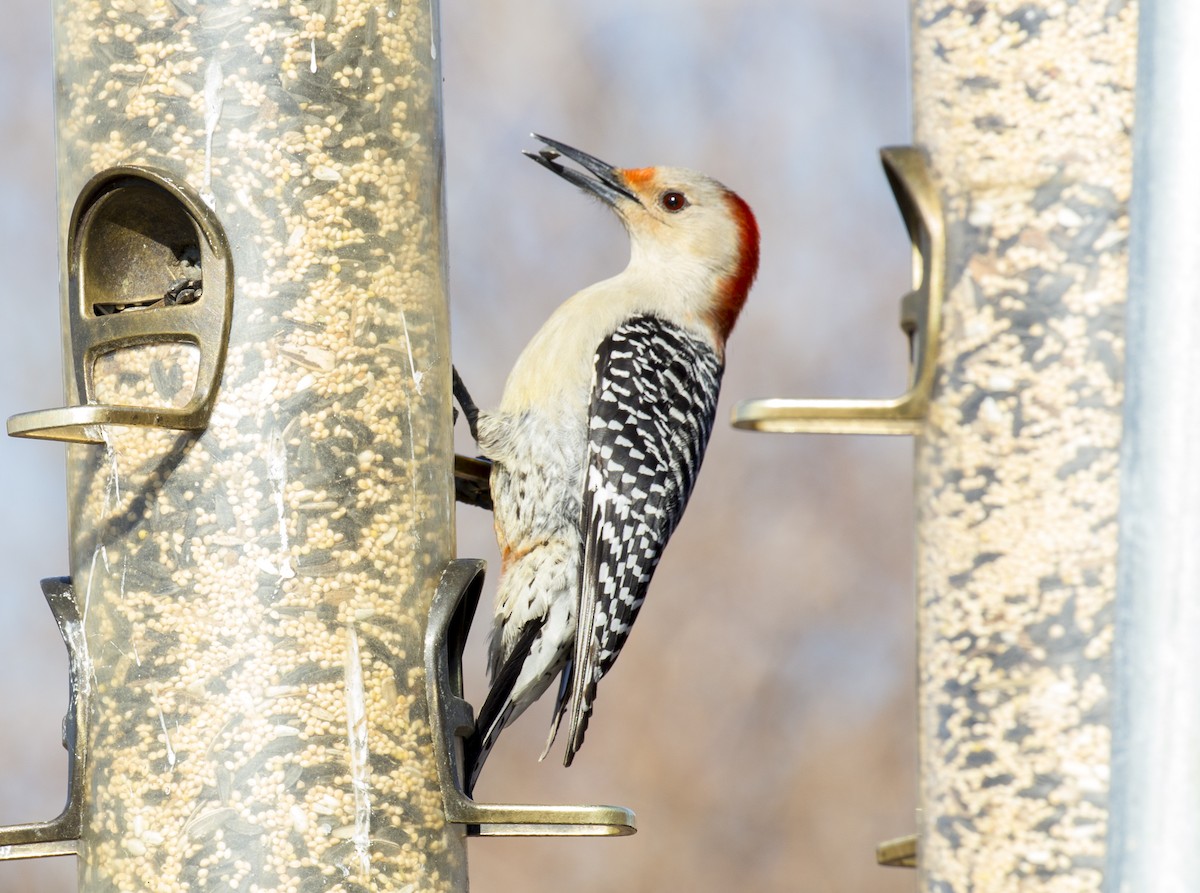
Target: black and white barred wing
{"x": 654, "y": 395}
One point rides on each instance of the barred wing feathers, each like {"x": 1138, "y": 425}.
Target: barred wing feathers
{"x": 654, "y": 397}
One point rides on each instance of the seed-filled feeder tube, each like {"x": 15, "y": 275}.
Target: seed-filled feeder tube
{"x": 1025, "y": 111}
{"x": 255, "y": 591}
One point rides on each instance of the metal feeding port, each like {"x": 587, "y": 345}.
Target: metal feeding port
{"x": 148, "y": 264}
{"x": 452, "y": 718}
{"x": 908, "y": 173}
{"x": 920, "y": 318}
{"x": 60, "y": 836}
{"x": 139, "y": 251}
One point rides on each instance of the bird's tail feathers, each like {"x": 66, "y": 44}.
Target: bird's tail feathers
{"x": 475, "y": 752}
{"x": 498, "y": 709}
{"x": 583, "y": 686}
{"x": 560, "y": 707}
{"x": 579, "y": 723}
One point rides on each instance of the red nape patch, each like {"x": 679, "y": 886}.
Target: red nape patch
{"x": 637, "y": 176}
{"x": 735, "y": 287}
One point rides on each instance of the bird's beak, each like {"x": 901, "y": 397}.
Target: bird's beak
{"x": 608, "y": 184}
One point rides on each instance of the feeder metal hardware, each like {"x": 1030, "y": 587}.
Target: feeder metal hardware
{"x": 60, "y": 836}
{"x": 900, "y": 852}
{"x": 472, "y": 481}
{"x": 920, "y": 318}
{"x": 452, "y": 718}
{"x": 148, "y": 263}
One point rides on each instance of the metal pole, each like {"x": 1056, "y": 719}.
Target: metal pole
{"x": 1154, "y": 841}
{"x": 255, "y": 594}
{"x": 1025, "y": 111}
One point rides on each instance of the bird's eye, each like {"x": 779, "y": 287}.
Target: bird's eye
{"x": 673, "y": 201}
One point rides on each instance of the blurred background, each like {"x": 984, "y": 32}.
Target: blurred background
{"x": 761, "y": 722}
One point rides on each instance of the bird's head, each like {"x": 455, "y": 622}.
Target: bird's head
{"x": 682, "y": 224}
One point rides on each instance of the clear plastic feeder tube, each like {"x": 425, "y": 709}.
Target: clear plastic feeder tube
{"x": 255, "y": 595}
{"x": 1026, "y": 111}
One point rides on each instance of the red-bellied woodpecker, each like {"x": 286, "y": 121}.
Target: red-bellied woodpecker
{"x": 599, "y": 436}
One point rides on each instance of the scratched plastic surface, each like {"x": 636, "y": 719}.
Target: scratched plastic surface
{"x": 256, "y": 596}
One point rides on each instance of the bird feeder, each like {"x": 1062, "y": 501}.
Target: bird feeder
{"x": 259, "y": 462}
{"x": 1023, "y": 114}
